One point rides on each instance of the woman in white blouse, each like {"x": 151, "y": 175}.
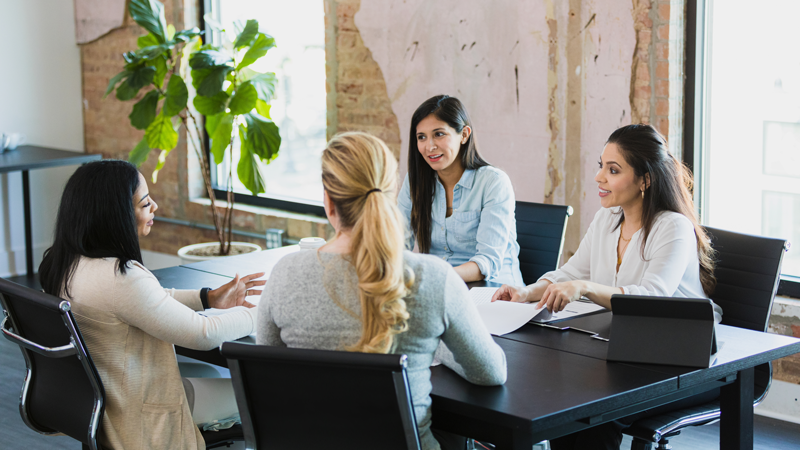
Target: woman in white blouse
{"x": 645, "y": 240}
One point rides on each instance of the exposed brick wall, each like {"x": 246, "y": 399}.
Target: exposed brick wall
{"x": 657, "y": 83}
{"x": 356, "y": 86}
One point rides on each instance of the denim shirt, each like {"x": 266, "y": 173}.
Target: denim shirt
{"x": 482, "y": 227}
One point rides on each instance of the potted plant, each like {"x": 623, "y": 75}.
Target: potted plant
{"x": 232, "y": 100}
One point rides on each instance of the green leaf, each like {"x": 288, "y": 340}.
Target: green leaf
{"x": 161, "y": 133}
{"x": 177, "y": 96}
{"x": 204, "y": 59}
{"x": 221, "y": 137}
{"x": 247, "y": 35}
{"x": 265, "y": 84}
{"x": 144, "y": 111}
{"x": 139, "y": 154}
{"x": 162, "y": 158}
{"x": 263, "y": 137}
{"x": 187, "y": 51}
{"x": 209, "y": 106}
{"x": 212, "y": 122}
{"x": 125, "y": 91}
{"x": 257, "y": 49}
{"x": 211, "y": 84}
{"x": 170, "y": 32}
{"x": 244, "y": 99}
{"x": 141, "y": 77}
{"x": 262, "y": 108}
{"x": 149, "y": 14}
{"x": 147, "y": 40}
{"x": 114, "y": 80}
{"x": 187, "y": 35}
{"x": 249, "y": 169}
{"x": 160, "y": 64}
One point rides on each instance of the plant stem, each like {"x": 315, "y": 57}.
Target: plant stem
{"x": 206, "y": 170}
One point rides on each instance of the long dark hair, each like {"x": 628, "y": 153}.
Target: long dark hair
{"x": 670, "y": 188}
{"x": 95, "y": 219}
{"x": 421, "y": 177}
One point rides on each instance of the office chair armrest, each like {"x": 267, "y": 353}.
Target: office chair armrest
{"x": 50, "y": 352}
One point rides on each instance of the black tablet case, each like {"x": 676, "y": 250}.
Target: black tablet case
{"x": 662, "y": 330}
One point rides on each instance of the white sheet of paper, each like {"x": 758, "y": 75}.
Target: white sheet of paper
{"x": 575, "y": 309}
{"x": 503, "y": 317}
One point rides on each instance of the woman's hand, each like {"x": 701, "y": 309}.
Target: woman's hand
{"x": 557, "y": 296}
{"x": 511, "y": 294}
{"x": 233, "y": 293}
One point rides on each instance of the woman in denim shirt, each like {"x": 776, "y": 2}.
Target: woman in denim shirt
{"x": 458, "y": 207}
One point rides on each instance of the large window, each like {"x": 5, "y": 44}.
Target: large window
{"x": 748, "y": 162}
{"x": 299, "y": 108}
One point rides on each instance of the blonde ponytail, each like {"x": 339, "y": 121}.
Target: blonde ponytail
{"x": 359, "y": 174}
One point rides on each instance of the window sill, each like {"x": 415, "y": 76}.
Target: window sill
{"x": 264, "y": 211}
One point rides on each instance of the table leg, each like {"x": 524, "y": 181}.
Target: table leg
{"x": 26, "y": 203}
{"x": 736, "y": 407}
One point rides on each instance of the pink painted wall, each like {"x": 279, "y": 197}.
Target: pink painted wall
{"x": 494, "y": 57}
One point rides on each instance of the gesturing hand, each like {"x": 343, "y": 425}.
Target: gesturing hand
{"x": 233, "y": 292}
{"x": 509, "y": 294}
{"x": 557, "y": 296}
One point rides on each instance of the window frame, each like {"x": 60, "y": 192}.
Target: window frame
{"x": 695, "y": 113}
{"x": 220, "y": 193}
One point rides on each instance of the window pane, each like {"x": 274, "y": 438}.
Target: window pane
{"x": 752, "y": 168}
{"x": 299, "y": 108}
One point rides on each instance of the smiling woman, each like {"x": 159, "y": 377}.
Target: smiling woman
{"x": 458, "y": 206}
{"x": 644, "y": 241}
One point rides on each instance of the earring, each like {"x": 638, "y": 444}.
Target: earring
{"x": 642, "y": 194}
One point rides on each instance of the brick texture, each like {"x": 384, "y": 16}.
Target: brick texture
{"x": 108, "y": 132}
{"x": 355, "y": 81}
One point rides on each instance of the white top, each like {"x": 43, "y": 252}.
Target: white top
{"x": 670, "y": 267}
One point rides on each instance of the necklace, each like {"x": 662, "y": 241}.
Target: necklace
{"x": 621, "y": 251}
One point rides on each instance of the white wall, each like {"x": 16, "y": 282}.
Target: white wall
{"x": 40, "y": 96}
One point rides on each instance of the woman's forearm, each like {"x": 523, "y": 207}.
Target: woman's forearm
{"x": 533, "y": 292}
{"x": 599, "y": 293}
{"x": 469, "y": 271}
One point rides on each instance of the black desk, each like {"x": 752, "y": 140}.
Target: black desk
{"x": 559, "y": 382}
{"x": 30, "y": 157}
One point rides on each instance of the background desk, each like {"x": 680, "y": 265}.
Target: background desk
{"x": 558, "y": 382}
{"x": 29, "y": 157}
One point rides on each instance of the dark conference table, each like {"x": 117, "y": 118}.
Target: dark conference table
{"x": 29, "y": 157}
{"x": 558, "y": 381}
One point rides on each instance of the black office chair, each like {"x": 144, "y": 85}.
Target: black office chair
{"x": 62, "y": 392}
{"x": 748, "y": 272}
{"x": 298, "y": 398}
{"x": 540, "y": 235}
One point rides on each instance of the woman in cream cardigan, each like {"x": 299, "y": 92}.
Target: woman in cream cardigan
{"x": 129, "y": 321}
{"x": 645, "y": 240}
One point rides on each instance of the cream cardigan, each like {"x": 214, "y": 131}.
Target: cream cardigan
{"x": 130, "y": 323}
{"x": 670, "y": 267}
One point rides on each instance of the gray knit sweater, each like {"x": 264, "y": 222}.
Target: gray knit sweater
{"x": 296, "y": 310}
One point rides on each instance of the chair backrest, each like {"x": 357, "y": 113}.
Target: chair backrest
{"x": 298, "y": 398}
{"x": 540, "y": 234}
{"x": 62, "y": 392}
{"x": 748, "y": 272}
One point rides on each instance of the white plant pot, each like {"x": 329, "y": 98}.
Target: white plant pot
{"x": 188, "y": 259}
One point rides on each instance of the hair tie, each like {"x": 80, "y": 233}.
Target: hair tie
{"x": 373, "y": 190}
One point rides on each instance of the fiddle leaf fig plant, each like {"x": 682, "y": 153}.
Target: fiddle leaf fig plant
{"x": 233, "y": 99}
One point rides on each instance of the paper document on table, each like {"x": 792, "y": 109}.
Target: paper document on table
{"x": 502, "y": 317}
{"x": 573, "y": 309}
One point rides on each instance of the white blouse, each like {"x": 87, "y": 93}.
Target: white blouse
{"x": 670, "y": 267}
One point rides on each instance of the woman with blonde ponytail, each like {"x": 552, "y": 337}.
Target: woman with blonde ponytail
{"x": 362, "y": 292}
